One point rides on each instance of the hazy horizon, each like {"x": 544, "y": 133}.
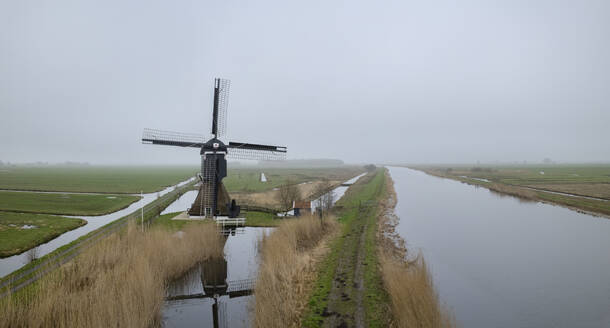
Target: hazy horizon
{"x": 400, "y": 82}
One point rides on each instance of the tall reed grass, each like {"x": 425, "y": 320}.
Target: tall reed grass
{"x": 119, "y": 282}
{"x": 288, "y": 266}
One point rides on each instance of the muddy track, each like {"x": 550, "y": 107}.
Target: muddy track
{"x": 345, "y": 305}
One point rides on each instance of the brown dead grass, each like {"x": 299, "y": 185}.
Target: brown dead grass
{"x": 119, "y": 282}
{"x": 408, "y": 283}
{"x": 290, "y": 256}
{"x": 269, "y": 198}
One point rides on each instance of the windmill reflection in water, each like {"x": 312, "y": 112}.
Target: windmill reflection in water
{"x": 213, "y": 277}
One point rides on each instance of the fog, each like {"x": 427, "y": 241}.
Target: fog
{"x": 376, "y": 81}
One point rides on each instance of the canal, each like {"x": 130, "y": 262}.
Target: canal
{"x": 498, "y": 261}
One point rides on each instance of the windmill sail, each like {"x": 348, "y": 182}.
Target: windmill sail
{"x": 240, "y": 150}
{"x": 219, "y": 110}
{"x": 169, "y": 138}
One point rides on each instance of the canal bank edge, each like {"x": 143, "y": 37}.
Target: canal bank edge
{"x": 574, "y": 203}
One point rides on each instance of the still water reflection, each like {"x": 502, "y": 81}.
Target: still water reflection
{"x": 230, "y": 278}
{"x": 500, "y": 262}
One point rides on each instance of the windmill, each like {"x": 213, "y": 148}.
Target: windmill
{"x": 213, "y": 199}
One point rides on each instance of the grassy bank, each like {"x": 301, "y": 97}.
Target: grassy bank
{"x": 287, "y": 269}
{"x": 349, "y": 287}
{"x": 100, "y": 179}
{"x": 20, "y": 232}
{"x": 63, "y": 204}
{"x": 589, "y": 182}
{"x": 408, "y": 283}
{"x": 119, "y": 282}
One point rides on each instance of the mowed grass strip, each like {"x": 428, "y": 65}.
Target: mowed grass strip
{"x": 20, "y": 232}
{"x": 63, "y": 204}
{"x": 99, "y": 179}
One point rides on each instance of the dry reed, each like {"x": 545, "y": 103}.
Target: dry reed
{"x": 119, "y": 282}
{"x": 287, "y": 270}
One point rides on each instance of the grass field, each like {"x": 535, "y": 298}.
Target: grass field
{"x": 63, "y": 204}
{"x": 101, "y": 179}
{"x": 248, "y": 179}
{"x": 537, "y": 182}
{"x": 15, "y": 239}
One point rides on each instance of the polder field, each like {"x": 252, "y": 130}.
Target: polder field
{"x": 63, "y": 203}
{"x": 95, "y": 179}
{"x": 20, "y": 232}
{"x": 584, "y": 186}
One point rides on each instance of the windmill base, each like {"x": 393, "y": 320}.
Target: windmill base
{"x": 225, "y": 206}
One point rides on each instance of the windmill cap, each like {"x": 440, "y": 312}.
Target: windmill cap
{"x": 213, "y": 145}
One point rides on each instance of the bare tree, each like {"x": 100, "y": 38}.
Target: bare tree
{"x": 288, "y": 193}
{"x": 326, "y": 196}
{"x": 31, "y": 255}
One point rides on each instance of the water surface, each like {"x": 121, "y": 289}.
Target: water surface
{"x": 498, "y": 261}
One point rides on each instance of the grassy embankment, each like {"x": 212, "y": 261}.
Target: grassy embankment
{"x": 63, "y": 204}
{"x": 349, "y": 282}
{"x": 408, "y": 282}
{"x": 289, "y": 258}
{"x": 98, "y": 179}
{"x": 16, "y": 239}
{"x": 119, "y": 282}
{"x": 527, "y": 182}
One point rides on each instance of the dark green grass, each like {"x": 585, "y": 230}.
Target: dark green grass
{"x": 15, "y": 240}
{"x": 262, "y": 219}
{"x": 253, "y": 219}
{"x": 248, "y": 179}
{"x": 166, "y": 221}
{"x": 352, "y": 216}
{"x": 102, "y": 179}
{"x": 66, "y": 204}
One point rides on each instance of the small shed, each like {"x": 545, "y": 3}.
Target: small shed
{"x": 302, "y": 207}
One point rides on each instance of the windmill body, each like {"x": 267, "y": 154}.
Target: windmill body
{"x": 213, "y": 200}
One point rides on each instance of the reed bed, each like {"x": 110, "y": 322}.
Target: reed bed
{"x": 119, "y": 282}
{"x": 287, "y": 270}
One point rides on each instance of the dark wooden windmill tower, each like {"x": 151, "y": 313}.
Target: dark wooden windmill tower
{"x": 213, "y": 199}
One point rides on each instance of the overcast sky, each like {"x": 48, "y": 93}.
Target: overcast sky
{"x": 409, "y": 81}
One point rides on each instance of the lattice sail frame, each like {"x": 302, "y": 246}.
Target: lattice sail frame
{"x": 224, "y": 87}
{"x": 255, "y": 154}
{"x": 152, "y": 136}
